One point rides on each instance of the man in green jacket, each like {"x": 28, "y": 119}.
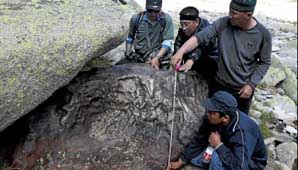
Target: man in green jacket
{"x": 151, "y": 36}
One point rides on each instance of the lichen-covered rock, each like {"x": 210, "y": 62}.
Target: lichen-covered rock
{"x": 113, "y": 118}
{"x": 272, "y": 78}
{"x": 290, "y": 82}
{"x": 282, "y": 107}
{"x": 44, "y": 44}
{"x": 286, "y": 153}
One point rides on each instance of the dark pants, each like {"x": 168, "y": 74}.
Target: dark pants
{"x": 206, "y": 66}
{"x": 243, "y": 104}
{"x": 215, "y": 162}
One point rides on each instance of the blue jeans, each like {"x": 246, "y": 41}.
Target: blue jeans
{"x": 215, "y": 163}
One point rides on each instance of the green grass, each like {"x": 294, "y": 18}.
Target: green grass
{"x": 265, "y": 130}
{"x": 266, "y": 118}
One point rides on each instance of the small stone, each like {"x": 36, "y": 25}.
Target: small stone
{"x": 291, "y": 130}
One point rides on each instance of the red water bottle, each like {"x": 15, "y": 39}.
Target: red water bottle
{"x": 208, "y": 154}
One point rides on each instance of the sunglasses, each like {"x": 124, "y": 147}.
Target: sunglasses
{"x": 152, "y": 10}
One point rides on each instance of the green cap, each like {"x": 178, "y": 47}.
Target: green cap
{"x": 243, "y": 5}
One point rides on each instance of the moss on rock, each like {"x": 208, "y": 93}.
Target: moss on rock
{"x": 45, "y": 43}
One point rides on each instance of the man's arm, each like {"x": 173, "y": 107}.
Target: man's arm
{"x": 264, "y": 60}
{"x": 167, "y": 44}
{"x": 205, "y": 36}
{"x": 168, "y": 36}
{"x": 190, "y": 59}
{"x": 235, "y": 156}
{"x": 155, "y": 60}
{"x": 259, "y": 157}
{"x": 198, "y": 143}
{"x": 262, "y": 67}
{"x": 131, "y": 36}
{"x": 178, "y": 41}
{"x": 187, "y": 47}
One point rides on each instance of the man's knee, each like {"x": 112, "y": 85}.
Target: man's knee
{"x": 216, "y": 163}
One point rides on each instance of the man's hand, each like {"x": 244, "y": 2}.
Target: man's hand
{"x": 154, "y": 62}
{"x": 128, "y": 50}
{"x": 176, "y": 59}
{"x": 214, "y": 139}
{"x": 187, "y": 66}
{"x": 127, "y": 53}
{"x": 175, "y": 165}
{"x": 246, "y": 91}
{"x": 187, "y": 47}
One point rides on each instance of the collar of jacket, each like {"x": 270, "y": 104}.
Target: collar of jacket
{"x": 147, "y": 19}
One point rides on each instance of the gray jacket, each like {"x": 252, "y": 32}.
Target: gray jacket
{"x": 244, "y": 55}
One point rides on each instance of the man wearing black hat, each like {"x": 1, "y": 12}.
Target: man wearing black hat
{"x": 197, "y": 59}
{"x": 234, "y": 138}
{"x": 151, "y": 34}
{"x": 244, "y": 52}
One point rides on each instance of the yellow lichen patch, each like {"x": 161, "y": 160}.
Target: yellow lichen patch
{"x": 20, "y": 94}
{"x": 7, "y": 19}
{"x": 12, "y": 81}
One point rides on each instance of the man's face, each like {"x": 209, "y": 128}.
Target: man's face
{"x": 214, "y": 118}
{"x": 152, "y": 14}
{"x": 238, "y": 18}
{"x": 188, "y": 26}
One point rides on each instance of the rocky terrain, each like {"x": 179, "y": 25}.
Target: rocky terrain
{"x": 275, "y": 101}
{"x": 45, "y": 43}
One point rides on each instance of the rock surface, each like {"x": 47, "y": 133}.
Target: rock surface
{"x": 45, "y": 43}
{"x": 113, "y": 118}
{"x": 286, "y": 153}
{"x": 289, "y": 84}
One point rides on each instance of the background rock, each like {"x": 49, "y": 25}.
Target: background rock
{"x": 294, "y": 167}
{"x": 113, "y": 118}
{"x": 44, "y": 44}
{"x": 80, "y": 139}
{"x": 287, "y": 153}
{"x": 290, "y": 83}
{"x": 273, "y": 77}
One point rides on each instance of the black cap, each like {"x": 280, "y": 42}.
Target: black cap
{"x": 154, "y": 4}
{"x": 221, "y": 101}
{"x": 243, "y": 5}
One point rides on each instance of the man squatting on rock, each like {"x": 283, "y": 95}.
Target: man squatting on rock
{"x": 234, "y": 138}
{"x": 151, "y": 33}
{"x": 244, "y": 52}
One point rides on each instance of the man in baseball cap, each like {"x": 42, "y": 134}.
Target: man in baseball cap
{"x": 235, "y": 139}
{"x": 154, "y": 5}
{"x": 150, "y": 38}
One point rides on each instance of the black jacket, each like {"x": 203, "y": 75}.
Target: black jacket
{"x": 202, "y": 49}
{"x": 243, "y": 145}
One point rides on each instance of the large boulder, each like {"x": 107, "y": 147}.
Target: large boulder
{"x": 112, "y": 118}
{"x": 289, "y": 84}
{"x": 44, "y": 44}
{"x": 273, "y": 77}
{"x": 287, "y": 153}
